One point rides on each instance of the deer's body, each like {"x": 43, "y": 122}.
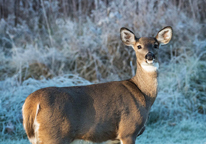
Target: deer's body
{"x": 99, "y": 112}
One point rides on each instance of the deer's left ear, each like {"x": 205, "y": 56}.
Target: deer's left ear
{"x": 164, "y": 35}
{"x": 127, "y": 37}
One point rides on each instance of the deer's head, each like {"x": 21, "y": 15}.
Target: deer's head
{"x": 147, "y": 48}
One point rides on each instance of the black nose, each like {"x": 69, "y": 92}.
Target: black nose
{"x": 150, "y": 56}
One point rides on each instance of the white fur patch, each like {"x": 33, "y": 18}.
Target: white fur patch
{"x": 150, "y": 67}
{"x": 150, "y": 61}
{"x": 35, "y": 139}
{"x": 36, "y": 124}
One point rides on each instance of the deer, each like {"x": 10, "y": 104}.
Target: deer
{"x": 112, "y": 111}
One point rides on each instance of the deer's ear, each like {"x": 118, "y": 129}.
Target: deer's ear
{"x": 127, "y": 37}
{"x": 164, "y": 35}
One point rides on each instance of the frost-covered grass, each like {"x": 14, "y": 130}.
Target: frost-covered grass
{"x": 49, "y": 50}
{"x": 185, "y": 132}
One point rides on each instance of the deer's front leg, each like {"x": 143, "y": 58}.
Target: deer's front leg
{"x": 128, "y": 140}
{"x": 128, "y": 135}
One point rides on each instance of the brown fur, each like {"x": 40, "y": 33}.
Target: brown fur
{"x": 99, "y": 112}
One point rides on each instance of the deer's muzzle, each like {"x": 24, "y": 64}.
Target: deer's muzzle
{"x": 150, "y": 56}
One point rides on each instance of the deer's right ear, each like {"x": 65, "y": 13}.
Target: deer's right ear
{"x": 127, "y": 37}
{"x": 164, "y": 35}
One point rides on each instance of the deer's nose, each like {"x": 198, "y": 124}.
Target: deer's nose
{"x": 150, "y": 56}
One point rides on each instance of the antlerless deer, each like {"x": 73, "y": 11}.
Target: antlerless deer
{"x": 109, "y": 111}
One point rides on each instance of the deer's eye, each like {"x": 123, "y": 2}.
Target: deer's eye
{"x": 139, "y": 46}
{"x": 156, "y": 45}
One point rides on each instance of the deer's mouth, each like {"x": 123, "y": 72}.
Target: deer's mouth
{"x": 150, "y": 58}
{"x": 150, "y": 62}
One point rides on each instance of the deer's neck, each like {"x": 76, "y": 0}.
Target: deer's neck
{"x": 147, "y": 83}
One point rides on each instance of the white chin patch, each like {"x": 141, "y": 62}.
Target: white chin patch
{"x": 150, "y": 66}
{"x": 150, "y": 61}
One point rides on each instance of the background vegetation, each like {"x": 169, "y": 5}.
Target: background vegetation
{"x": 76, "y": 42}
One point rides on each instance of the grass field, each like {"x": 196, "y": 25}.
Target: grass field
{"x": 67, "y": 43}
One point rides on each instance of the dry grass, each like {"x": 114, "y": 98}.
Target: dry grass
{"x": 40, "y": 47}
